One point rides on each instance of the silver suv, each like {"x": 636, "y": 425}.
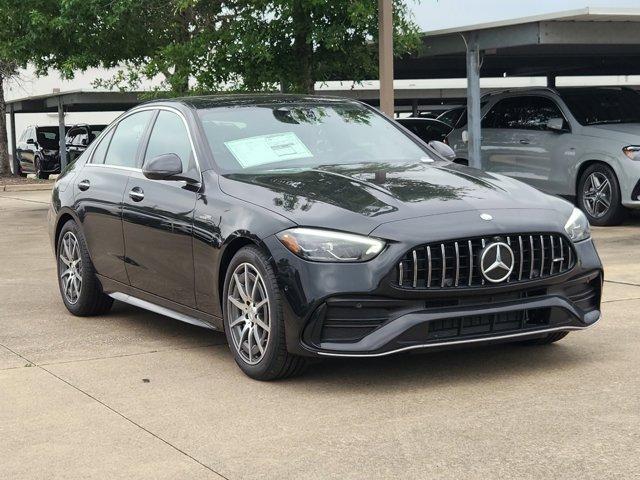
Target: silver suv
{"x": 582, "y": 143}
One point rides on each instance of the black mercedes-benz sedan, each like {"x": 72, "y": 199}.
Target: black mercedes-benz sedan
{"x": 314, "y": 227}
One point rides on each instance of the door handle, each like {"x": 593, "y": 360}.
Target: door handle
{"x": 524, "y": 141}
{"x": 84, "y": 185}
{"x": 136, "y": 194}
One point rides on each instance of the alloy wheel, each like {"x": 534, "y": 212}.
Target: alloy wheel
{"x": 249, "y": 315}
{"x": 70, "y": 268}
{"x": 597, "y": 194}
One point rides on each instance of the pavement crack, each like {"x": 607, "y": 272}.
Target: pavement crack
{"x": 623, "y": 283}
{"x": 620, "y": 300}
{"x": 113, "y": 410}
{"x": 124, "y": 355}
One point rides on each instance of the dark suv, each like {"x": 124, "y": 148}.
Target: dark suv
{"x": 79, "y": 137}
{"x": 38, "y": 151}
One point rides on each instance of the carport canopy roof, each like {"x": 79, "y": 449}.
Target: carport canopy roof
{"x": 75, "y": 101}
{"x": 587, "y": 41}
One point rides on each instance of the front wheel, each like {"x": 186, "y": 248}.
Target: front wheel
{"x": 79, "y": 286}
{"x": 253, "y": 320}
{"x": 599, "y": 196}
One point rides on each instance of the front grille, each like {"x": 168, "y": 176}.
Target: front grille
{"x": 456, "y": 264}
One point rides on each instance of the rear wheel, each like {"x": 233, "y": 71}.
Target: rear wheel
{"x": 253, "y": 318}
{"x": 551, "y": 338}
{"x": 79, "y": 286}
{"x": 38, "y": 169}
{"x": 599, "y": 196}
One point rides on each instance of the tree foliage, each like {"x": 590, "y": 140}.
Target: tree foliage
{"x": 207, "y": 45}
{"x": 295, "y": 43}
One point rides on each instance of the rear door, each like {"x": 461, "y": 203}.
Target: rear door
{"x": 158, "y": 217}
{"x": 99, "y": 190}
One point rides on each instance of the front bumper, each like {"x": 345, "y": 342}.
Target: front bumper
{"x": 355, "y": 309}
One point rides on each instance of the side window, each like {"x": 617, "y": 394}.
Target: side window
{"x": 537, "y": 111}
{"x": 504, "y": 114}
{"x": 169, "y": 135}
{"x": 101, "y": 149}
{"x": 126, "y": 139}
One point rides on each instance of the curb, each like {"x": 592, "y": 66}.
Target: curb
{"x": 26, "y": 187}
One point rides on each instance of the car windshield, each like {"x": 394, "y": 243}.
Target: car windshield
{"x": 603, "y": 106}
{"x": 267, "y": 137}
{"x": 48, "y": 137}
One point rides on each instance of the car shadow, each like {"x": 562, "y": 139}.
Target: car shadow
{"x": 429, "y": 368}
{"x": 442, "y": 367}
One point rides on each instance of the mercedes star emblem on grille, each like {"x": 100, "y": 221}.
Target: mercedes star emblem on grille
{"x": 496, "y": 262}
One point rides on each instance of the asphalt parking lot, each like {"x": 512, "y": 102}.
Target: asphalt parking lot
{"x": 137, "y": 395}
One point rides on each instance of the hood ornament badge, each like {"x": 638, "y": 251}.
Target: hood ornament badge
{"x": 486, "y": 216}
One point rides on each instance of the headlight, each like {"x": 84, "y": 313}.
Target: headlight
{"x": 577, "y": 227}
{"x": 329, "y": 246}
{"x": 632, "y": 151}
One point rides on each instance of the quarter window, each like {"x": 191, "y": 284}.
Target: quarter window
{"x": 170, "y": 135}
{"x": 101, "y": 149}
{"x": 124, "y": 144}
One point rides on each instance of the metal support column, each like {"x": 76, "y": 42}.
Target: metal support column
{"x": 14, "y": 157}
{"x": 62, "y": 134}
{"x": 473, "y": 100}
{"x": 414, "y": 108}
{"x": 385, "y": 46}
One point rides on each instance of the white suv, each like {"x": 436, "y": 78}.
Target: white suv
{"x": 582, "y": 143}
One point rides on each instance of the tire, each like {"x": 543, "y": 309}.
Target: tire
{"x": 595, "y": 209}
{"x": 258, "y": 356}
{"x": 551, "y": 338}
{"x": 83, "y": 298}
{"x": 38, "y": 169}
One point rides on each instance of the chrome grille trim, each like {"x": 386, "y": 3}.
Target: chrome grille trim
{"x": 452, "y": 264}
{"x": 542, "y": 255}
{"x": 457, "y": 264}
{"x": 429, "y": 260}
{"x": 470, "y": 262}
{"x": 444, "y": 264}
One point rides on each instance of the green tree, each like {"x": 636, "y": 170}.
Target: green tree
{"x": 168, "y": 40}
{"x": 204, "y": 46}
{"x": 295, "y": 43}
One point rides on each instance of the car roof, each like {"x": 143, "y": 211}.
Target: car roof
{"x": 229, "y": 100}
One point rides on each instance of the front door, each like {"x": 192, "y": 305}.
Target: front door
{"x": 158, "y": 218}
{"x": 517, "y": 142}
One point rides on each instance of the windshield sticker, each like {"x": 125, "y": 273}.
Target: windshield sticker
{"x": 265, "y": 149}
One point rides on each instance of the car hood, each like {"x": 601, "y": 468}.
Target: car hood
{"x": 625, "y": 132}
{"x": 359, "y": 198}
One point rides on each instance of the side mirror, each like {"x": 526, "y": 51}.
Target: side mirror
{"x": 31, "y": 141}
{"x": 443, "y": 150}
{"x": 465, "y": 136}
{"x": 163, "y": 167}
{"x": 556, "y": 125}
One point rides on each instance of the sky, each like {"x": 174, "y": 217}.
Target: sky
{"x": 439, "y": 14}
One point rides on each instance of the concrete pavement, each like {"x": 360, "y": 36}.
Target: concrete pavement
{"x": 137, "y": 395}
